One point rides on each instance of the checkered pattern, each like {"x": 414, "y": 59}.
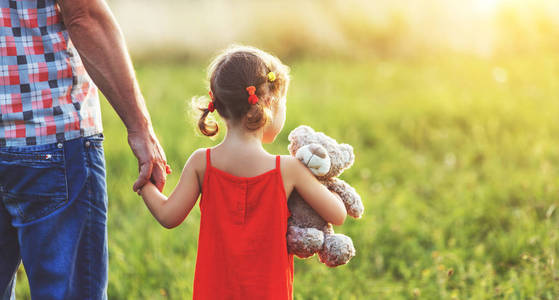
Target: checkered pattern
{"x": 46, "y": 95}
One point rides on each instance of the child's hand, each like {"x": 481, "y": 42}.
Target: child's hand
{"x": 142, "y": 191}
{"x": 171, "y": 211}
{"x": 167, "y": 170}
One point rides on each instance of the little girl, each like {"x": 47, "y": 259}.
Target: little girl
{"x": 242, "y": 251}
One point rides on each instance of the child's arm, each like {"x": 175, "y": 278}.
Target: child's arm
{"x": 170, "y": 212}
{"x": 324, "y": 202}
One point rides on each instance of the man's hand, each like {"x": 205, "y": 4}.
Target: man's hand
{"x": 152, "y": 163}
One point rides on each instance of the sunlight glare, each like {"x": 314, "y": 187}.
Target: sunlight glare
{"x": 486, "y": 6}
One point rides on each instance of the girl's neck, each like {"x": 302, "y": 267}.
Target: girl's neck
{"x": 238, "y": 137}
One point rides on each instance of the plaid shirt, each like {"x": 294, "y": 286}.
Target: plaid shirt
{"x": 46, "y": 95}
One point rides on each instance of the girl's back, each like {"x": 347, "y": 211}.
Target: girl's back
{"x": 242, "y": 248}
{"x": 242, "y": 251}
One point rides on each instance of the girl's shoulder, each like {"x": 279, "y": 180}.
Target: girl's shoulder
{"x": 197, "y": 161}
{"x": 294, "y": 173}
{"x": 287, "y": 160}
{"x": 291, "y": 162}
{"x": 199, "y": 156}
{"x": 291, "y": 167}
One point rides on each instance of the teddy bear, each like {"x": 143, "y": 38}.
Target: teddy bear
{"x": 307, "y": 232}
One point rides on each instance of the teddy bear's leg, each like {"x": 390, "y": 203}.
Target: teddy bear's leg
{"x": 338, "y": 250}
{"x": 349, "y": 196}
{"x": 304, "y": 242}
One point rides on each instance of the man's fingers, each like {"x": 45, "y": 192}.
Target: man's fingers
{"x": 145, "y": 174}
{"x": 158, "y": 177}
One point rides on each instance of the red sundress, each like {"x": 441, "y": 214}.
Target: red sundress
{"x": 242, "y": 248}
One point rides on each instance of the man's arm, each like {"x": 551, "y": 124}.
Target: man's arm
{"x": 99, "y": 41}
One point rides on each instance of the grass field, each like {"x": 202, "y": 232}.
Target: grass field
{"x": 457, "y": 162}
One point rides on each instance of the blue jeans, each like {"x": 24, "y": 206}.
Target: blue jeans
{"x": 53, "y": 216}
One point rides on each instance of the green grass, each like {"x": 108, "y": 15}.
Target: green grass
{"x": 458, "y": 173}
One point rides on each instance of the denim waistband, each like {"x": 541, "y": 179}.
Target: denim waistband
{"x": 47, "y": 147}
{"x": 42, "y": 155}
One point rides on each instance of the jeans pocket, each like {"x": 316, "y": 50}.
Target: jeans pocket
{"x": 95, "y": 140}
{"x": 34, "y": 182}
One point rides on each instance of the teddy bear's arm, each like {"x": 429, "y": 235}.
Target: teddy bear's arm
{"x": 304, "y": 242}
{"x": 315, "y": 193}
{"x": 349, "y": 196}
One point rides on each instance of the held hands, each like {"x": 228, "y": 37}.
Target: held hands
{"x": 152, "y": 163}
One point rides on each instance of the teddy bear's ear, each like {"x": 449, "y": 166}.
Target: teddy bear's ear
{"x": 302, "y": 130}
{"x": 297, "y": 138}
{"x": 347, "y": 155}
{"x": 292, "y": 135}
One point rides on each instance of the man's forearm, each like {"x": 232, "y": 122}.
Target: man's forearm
{"x": 96, "y": 36}
{"x": 99, "y": 41}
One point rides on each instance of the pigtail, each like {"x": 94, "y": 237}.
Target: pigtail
{"x": 208, "y": 128}
{"x": 207, "y": 124}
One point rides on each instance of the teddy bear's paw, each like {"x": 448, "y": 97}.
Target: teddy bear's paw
{"x": 315, "y": 157}
{"x": 355, "y": 207}
{"x": 338, "y": 250}
{"x": 304, "y": 242}
{"x": 350, "y": 198}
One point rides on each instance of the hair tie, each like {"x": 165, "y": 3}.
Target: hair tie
{"x": 211, "y": 106}
{"x": 271, "y": 76}
{"x": 252, "y": 98}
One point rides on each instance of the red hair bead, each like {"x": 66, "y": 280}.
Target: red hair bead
{"x": 252, "y": 98}
{"x": 211, "y": 106}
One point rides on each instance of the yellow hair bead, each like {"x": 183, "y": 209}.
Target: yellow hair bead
{"x": 271, "y": 76}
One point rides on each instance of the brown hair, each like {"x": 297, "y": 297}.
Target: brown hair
{"x": 230, "y": 73}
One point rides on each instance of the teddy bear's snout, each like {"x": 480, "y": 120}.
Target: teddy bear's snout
{"x": 315, "y": 157}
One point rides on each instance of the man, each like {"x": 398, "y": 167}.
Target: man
{"x": 52, "y": 171}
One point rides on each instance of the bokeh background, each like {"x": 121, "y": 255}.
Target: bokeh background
{"x": 452, "y": 108}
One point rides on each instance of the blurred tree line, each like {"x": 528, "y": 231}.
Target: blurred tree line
{"x": 349, "y": 28}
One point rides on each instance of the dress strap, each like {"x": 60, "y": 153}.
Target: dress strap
{"x": 277, "y": 162}
{"x": 208, "y": 158}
